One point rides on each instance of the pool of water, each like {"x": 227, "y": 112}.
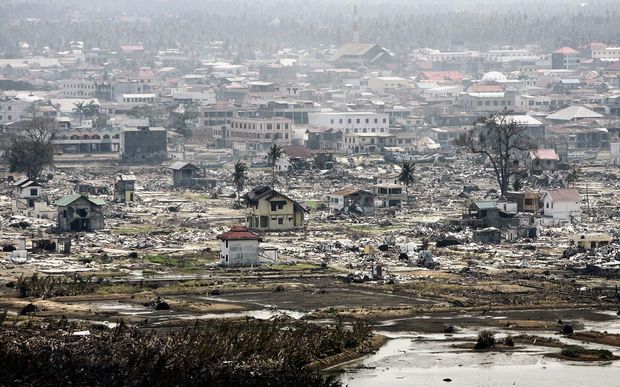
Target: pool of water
{"x": 427, "y": 360}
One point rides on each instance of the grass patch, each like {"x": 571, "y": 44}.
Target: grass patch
{"x": 296, "y": 266}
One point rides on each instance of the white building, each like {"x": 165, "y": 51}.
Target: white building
{"x": 77, "y": 88}
{"x": 610, "y": 54}
{"x": 351, "y": 122}
{"x": 385, "y": 84}
{"x": 139, "y": 98}
{"x": 239, "y": 247}
{"x": 252, "y": 134}
{"x": 561, "y": 206}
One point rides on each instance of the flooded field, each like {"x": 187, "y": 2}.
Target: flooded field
{"x": 408, "y": 360}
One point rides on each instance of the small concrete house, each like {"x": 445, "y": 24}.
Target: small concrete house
{"x": 268, "y": 209}
{"x": 561, "y": 206}
{"x": 27, "y": 192}
{"x": 78, "y": 213}
{"x": 125, "y": 188}
{"x": 352, "y": 200}
{"x": 239, "y": 247}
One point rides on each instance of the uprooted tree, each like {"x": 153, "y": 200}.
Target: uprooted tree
{"x": 503, "y": 141}
{"x": 33, "y": 150}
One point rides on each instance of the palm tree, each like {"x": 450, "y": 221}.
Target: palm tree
{"x": 275, "y": 153}
{"x": 573, "y": 176}
{"x": 406, "y": 176}
{"x": 90, "y": 110}
{"x": 80, "y": 109}
{"x": 240, "y": 178}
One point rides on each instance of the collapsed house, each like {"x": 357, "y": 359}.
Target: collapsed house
{"x": 492, "y": 214}
{"x": 125, "y": 188}
{"x": 590, "y": 241}
{"x": 77, "y": 213}
{"x": 268, "y": 209}
{"x": 189, "y": 175}
{"x": 352, "y": 200}
{"x": 239, "y": 247}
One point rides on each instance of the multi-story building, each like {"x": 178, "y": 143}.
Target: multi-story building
{"x": 88, "y": 140}
{"x": 351, "y": 122}
{"x": 78, "y": 88}
{"x": 257, "y": 134}
{"x": 604, "y": 53}
{"x": 143, "y": 144}
{"x": 565, "y": 58}
{"x": 367, "y": 142}
{"x": 489, "y": 101}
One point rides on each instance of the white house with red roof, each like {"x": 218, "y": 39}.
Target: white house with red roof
{"x": 561, "y": 206}
{"x": 239, "y": 247}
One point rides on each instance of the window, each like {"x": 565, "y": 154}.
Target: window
{"x": 33, "y": 192}
{"x": 376, "y": 120}
{"x": 367, "y": 120}
{"x": 358, "y": 120}
{"x": 280, "y": 220}
{"x": 331, "y": 122}
{"x": 349, "y": 121}
{"x": 384, "y": 120}
{"x": 340, "y": 121}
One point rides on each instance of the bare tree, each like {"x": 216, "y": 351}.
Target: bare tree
{"x": 503, "y": 141}
{"x": 33, "y": 150}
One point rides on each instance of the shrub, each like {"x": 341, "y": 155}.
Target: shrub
{"x": 486, "y": 339}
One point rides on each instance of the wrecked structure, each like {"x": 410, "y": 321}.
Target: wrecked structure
{"x": 352, "y": 200}
{"x": 77, "y": 213}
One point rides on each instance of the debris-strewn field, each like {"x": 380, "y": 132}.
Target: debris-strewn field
{"x": 156, "y": 266}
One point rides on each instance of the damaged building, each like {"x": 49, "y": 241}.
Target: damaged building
{"x": 78, "y": 213}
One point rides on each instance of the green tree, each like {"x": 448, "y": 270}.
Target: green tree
{"x": 407, "y": 170}
{"x": 33, "y": 150}
{"x": 502, "y": 141}
{"x": 240, "y": 176}
{"x": 275, "y": 153}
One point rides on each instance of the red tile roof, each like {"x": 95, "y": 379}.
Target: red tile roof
{"x": 238, "y": 233}
{"x": 566, "y": 50}
{"x": 443, "y": 75}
